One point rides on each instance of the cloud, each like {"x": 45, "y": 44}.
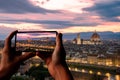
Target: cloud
{"x": 108, "y": 10}
{"x": 51, "y": 24}
{"x": 21, "y": 6}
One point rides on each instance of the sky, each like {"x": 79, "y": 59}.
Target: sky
{"x": 37, "y": 35}
{"x": 65, "y": 16}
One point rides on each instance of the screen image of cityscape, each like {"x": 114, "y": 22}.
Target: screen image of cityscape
{"x": 90, "y": 28}
{"x": 36, "y": 41}
{"x": 35, "y": 35}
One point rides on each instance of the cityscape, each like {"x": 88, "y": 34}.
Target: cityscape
{"x": 35, "y": 41}
{"x": 91, "y": 36}
{"x": 84, "y": 56}
{"x": 46, "y": 44}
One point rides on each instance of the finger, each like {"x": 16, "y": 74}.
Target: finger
{"x": 59, "y": 40}
{"x": 8, "y": 39}
{"x": 43, "y": 55}
{"x": 26, "y": 56}
{"x": 59, "y": 47}
{"x": 40, "y": 55}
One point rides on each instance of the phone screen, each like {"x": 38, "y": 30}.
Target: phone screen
{"x": 29, "y": 41}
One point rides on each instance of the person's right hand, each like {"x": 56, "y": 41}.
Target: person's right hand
{"x": 56, "y": 62}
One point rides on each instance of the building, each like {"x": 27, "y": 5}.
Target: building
{"x": 95, "y": 37}
{"x": 78, "y": 39}
{"x": 94, "y": 40}
{"x": 92, "y": 59}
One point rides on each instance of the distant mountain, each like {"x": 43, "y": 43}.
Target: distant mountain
{"x": 86, "y": 35}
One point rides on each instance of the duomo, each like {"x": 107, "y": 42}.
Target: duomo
{"x": 94, "y": 40}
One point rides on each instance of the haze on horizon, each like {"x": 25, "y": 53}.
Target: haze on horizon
{"x": 66, "y": 16}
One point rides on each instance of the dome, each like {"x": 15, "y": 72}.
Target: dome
{"x": 95, "y": 37}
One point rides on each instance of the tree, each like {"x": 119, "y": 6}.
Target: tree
{"x": 39, "y": 72}
{"x": 17, "y": 78}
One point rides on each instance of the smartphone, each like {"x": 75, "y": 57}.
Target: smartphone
{"x": 33, "y": 41}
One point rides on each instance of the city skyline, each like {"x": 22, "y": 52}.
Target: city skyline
{"x": 107, "y": 35}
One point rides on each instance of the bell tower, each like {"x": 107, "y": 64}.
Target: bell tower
{"x": 78, "y": 39}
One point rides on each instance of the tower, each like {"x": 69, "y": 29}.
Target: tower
{"x": 78, "y": 39}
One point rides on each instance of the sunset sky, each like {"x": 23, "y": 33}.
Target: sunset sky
{"x": 37, "y": 35}
{"x": 66, "y": 16}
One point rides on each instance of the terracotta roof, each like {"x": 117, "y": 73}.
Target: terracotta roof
{"x": 95, "y": 36}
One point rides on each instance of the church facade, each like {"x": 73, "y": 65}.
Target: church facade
{"x": 94, "y": 40}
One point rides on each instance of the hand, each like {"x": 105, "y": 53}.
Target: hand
{"x": 56, "y": 62}
{"x": 10, "y": 61}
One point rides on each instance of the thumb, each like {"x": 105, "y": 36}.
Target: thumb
{"x": 26, "y": 56}
{"x": 59, "y": 40}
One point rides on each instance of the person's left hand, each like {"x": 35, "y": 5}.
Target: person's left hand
{"x": 10, "y": 61}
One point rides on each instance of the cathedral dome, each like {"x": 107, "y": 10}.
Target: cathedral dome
{"x": 95, "y": 37}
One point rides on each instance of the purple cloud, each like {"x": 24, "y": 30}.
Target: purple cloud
{"x": 21, "y": 6}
